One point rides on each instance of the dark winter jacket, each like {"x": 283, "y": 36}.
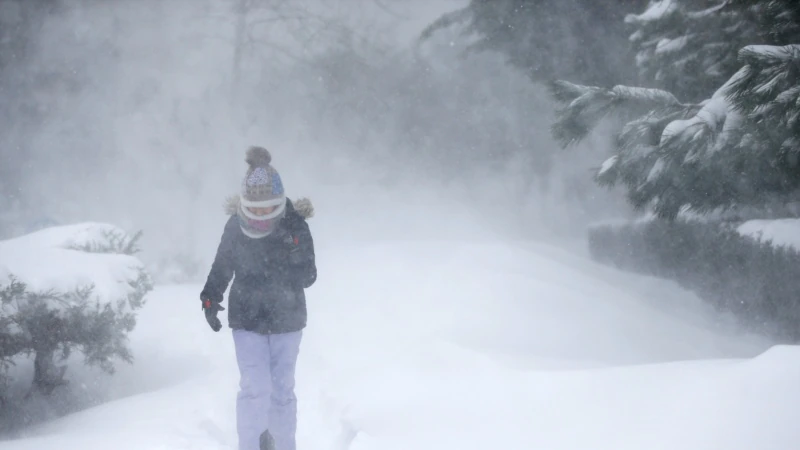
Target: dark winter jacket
{"x": 269, "y": 275}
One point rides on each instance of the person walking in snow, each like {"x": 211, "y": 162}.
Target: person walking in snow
{"x": 267, "y": 249}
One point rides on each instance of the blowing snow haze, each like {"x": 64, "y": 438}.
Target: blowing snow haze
{"x": 137, "y": 113}
{"x": 558, "y": 224}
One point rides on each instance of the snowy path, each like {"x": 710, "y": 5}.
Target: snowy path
{"x": 455, "y": 345}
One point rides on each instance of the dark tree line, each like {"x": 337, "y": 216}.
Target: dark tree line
{"x": 585, "y": 40}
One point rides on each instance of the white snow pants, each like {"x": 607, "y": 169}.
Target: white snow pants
{"x": 266, "y": 399}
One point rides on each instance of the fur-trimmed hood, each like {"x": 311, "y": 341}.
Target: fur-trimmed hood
{"x": 302, "y": 206}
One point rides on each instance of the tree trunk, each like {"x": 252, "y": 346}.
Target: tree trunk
{"x": 47, "y": 376}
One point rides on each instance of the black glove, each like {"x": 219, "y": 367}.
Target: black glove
{"x": 296, "y": 255}
{"x": 210, "y": 309}
{"x": 302, "y": 269}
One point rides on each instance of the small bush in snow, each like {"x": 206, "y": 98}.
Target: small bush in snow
{"x": 48, "y": 325}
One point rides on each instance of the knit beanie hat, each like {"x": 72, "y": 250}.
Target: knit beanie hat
{"x": 261, "y": 188}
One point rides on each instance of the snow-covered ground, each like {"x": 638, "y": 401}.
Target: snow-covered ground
{"x": 461, "y": 344}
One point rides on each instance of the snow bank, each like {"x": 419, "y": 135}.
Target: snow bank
{"x": 779, "y": 232}
{"x": 698, "y": 405}
{"x": 433, "y": 344}
{"x": 52, "y": 259}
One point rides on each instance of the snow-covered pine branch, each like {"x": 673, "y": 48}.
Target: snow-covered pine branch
{"x": 585, "y": 106}
{"x": 739, "y": 147}
{"x": 692, "y": 159}
{"x": 778, "y": 20}
{"x": 767, "y": 92}
{"x": 770, "y": 79}
{"x": 636, "y": 147}
{"x": 690, "y": 48}
{"x": 650, "y": 148}
{"x": 565, "y": 92}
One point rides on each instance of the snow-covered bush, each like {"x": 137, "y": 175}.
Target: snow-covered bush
{"x": 68, "y": 289}
{"x": 755, "y": 279}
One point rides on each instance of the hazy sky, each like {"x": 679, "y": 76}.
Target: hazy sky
{"x": 149, "y": 106}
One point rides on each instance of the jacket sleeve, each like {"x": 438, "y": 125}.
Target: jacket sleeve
{"x": 302, "y": 262}
{"x": 221, "y": 270}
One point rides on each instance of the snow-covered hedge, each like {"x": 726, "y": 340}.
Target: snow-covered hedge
{"x": 65, "y": 289}
{"x": 748, "y": 269}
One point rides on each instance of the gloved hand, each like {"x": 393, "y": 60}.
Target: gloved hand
{"x": 210, "y": 309}
{"x": 302, "y": 268}
{"x": 296, "y": 255}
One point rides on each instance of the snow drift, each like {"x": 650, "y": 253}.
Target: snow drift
{"x": 462, "y": 344}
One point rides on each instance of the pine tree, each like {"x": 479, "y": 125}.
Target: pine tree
{"x": 766, "y": 93}
{"x": 691, "y": 47}
{"x": 739, "y": 147}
